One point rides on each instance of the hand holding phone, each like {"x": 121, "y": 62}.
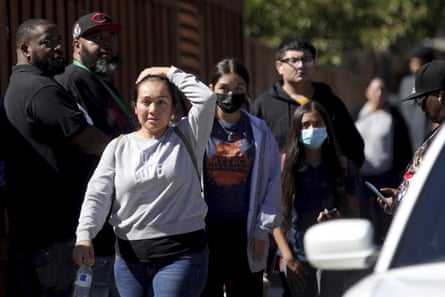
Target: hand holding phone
{"x": 377, "y": 192}
{"x": 333, "y": 212}
{"x": 327, "y": 214}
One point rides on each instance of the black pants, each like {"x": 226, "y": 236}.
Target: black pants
{"x": 228, "y": 266}
{"x": 41, "y": 271}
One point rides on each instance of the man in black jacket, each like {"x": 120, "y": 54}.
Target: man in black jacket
{"x": 294, "y": 61}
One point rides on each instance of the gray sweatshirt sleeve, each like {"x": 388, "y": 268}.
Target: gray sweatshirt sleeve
{"x": 200, "y": 116}
{"x": 99, "y": 196}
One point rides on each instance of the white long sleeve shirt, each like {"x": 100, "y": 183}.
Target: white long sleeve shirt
{"x": 151, "y": 184}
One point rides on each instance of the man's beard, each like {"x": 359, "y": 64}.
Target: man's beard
{"x": 98, "y": 65}
{"x": 52, "y": 66}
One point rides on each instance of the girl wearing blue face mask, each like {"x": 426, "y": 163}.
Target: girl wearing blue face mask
{"x": 242, "y": 188}
{"x": 317, "y": 186}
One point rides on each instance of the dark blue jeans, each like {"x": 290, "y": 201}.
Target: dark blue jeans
{"x": 103, "y": 277}
{"x": 181, "y": 276}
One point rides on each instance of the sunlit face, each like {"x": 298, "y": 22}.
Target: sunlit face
{"x": 312, "y": 119}
{"x": 376, "y": 93}
{"x": 45, "y": 46}
{"x": 230, "y": 83}
{"x": 432, "y": 106}
{"x": 296, "y": 66}
{"x": 154, "y": 107}
{"x": 415, "y": 63}
{"x": 99, "y": 51}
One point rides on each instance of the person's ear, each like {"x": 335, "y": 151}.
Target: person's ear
{"x": 211, "y": 87}
{"x": 76, "y": 43}
{"x": 440, "y": 96}
{"x": 279, "y": 67}
{"x": 26, "y": 51}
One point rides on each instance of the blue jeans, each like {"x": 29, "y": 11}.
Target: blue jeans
{"x": 103, "y": 277}
{"x": 181, "y": 276}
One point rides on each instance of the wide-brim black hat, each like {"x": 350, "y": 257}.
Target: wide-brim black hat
{"x": 429, "y": 77}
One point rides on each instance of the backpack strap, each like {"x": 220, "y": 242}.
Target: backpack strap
{"x": 189, "y": 149}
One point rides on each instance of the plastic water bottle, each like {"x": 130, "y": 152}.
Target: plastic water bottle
{"x": 82, "y": 284}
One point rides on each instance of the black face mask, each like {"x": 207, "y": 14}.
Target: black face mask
{"x": 230, "y": 103}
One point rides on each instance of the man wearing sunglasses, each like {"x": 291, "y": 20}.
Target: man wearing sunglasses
{"x": 429, "y": 95}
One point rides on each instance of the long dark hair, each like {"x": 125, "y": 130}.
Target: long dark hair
{"x": 295, "y": 162}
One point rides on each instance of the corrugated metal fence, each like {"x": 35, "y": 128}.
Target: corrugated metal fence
{"x": 192, "y": 34}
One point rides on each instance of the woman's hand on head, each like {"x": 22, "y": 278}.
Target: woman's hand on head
{"x": 152, "y": 71}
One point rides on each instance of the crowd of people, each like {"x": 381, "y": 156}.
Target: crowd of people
{"x": 195, "y": 189}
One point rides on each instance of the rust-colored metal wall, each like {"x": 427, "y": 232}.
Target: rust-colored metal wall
{"x": 192, "y": 34}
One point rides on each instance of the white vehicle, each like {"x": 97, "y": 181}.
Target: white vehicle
{"x": 411, "y": 261}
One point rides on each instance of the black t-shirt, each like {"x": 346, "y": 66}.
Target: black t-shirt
{"x": 107, "y": 116}
{"x": 43, "y": 172}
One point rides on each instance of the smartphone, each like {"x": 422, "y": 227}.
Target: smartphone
{"x": 333, "y": 213}
{"x": 377, "y": 192}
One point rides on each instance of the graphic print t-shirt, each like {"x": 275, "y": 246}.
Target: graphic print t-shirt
{"x": 227, "y": 167}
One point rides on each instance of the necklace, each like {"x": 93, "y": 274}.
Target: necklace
{"x": 231, "y": 135}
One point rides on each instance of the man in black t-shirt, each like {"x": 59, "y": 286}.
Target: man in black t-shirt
{"x": 89, "y": 79}
{"x": 49, "y": 140}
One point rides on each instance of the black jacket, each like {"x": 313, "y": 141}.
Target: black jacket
{"x": 276, "y": 107}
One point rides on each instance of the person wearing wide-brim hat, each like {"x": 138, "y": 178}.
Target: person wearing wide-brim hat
{"x": 429, "y": 94}
{"x": 419, "y": 126}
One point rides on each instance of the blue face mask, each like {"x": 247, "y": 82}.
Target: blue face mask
{"x": 313, "y": 138}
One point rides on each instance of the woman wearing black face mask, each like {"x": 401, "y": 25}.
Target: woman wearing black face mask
{"x": 242, "y": 188}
